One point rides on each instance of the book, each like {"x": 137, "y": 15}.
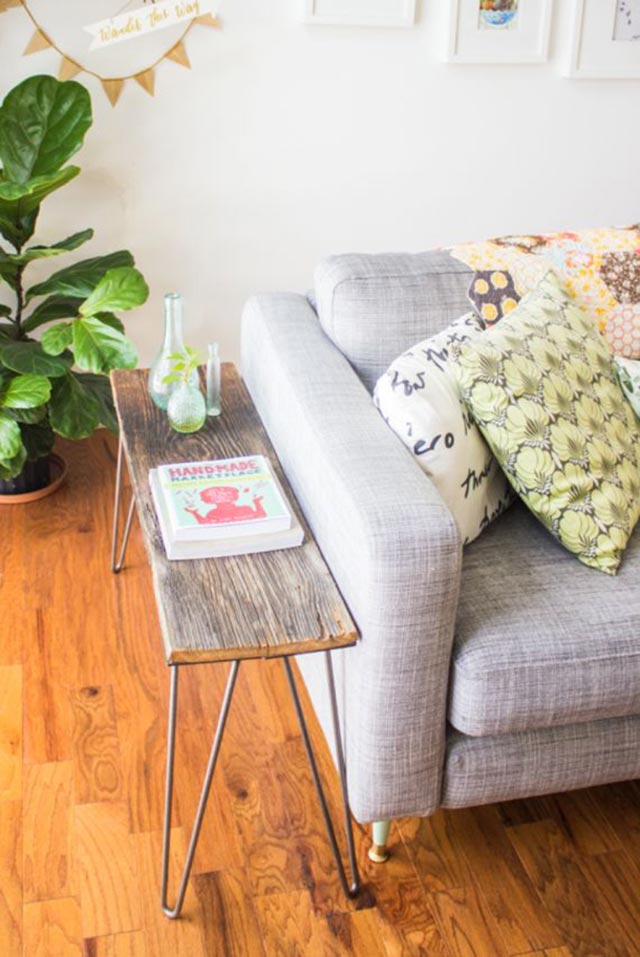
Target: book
{"x": 215, "y": 500}
{"x": 270, "y": 527}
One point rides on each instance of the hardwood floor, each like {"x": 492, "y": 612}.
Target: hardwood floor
{"x": 83, "y": 702}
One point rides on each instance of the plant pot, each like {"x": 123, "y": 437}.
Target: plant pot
{"x": 37, "y": 480}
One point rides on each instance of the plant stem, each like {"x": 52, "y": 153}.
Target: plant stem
{"x": 20, "y": 301}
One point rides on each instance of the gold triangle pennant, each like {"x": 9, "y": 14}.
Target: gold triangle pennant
{"x": 146, "y": 80}
{"x": 113, "y": 89}
{"x": 208, "y": 20}
{"x": 5, "y": 4}
{"x": 68, "y": 69}
{"x": 179, "y": 55}
{"x": 37, "y": 42}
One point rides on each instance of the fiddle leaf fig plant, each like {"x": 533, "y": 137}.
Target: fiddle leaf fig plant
{"x": 56, "y": 380}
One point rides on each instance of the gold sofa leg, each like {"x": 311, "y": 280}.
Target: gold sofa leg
{"x": 378, "y": 852}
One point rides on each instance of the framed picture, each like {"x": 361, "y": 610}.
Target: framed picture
{"x": 606, "y": 39}
{"x": 499, "y": 31}
{"x": 361, "y": 13}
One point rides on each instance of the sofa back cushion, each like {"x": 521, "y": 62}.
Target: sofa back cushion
{"x": 374, "y": 307}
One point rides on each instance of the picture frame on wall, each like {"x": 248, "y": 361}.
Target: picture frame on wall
{"x": 606, "y": 40}
{"x": 360, "y": 13}
{"x": 499, "y": 31}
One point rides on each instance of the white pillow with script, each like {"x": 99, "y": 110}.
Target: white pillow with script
{"x": 420, "y": 401}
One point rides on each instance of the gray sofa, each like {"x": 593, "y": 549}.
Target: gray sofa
{"x": 501, "y": 671}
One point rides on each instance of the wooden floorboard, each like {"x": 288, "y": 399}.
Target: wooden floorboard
{"x": 83, "y": 712}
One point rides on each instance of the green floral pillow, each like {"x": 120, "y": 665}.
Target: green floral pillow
{"x": 542, "y": 388}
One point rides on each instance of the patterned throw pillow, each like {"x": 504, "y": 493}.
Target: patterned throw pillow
{"x": 542, "y": 388}
{"x": 420, "y": 400}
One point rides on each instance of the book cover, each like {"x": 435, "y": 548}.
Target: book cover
{"x": 223, "y": 498}
{"x": 239, "y": 545}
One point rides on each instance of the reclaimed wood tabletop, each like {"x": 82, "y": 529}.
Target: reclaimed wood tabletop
{"x": 219, "y": 609}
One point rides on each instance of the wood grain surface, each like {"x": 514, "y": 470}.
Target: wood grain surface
{"x": 250, "y": 606}
{"x": 81, "y": 814}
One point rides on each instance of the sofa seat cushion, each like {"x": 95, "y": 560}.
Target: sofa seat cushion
{"x": 542, "y": 641}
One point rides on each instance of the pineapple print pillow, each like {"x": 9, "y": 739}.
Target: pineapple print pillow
{"x": 542, "y": 388}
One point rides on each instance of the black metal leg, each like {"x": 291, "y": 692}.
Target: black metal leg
{"x": 349, "y": 890}
{"x": 116, "y": 564}
{"x": 174, "y": 911}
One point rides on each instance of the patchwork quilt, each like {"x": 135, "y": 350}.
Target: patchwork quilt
{"x": 599, "y": 267}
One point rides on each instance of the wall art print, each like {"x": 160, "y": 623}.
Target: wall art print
{"x": 606, "y": 40}
{"x": 499, "y": 31}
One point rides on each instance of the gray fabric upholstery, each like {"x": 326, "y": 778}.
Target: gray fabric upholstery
{"x": 390, "y": 541}
{"x": 542, "y": 640}
{"x": 544, "y": 683}
{"x": 484, "y": 770}
{"x": 374, "y": 307}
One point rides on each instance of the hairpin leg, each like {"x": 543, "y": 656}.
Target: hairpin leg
{"x": 116, "y": 564}
{"x": 352, "y": 889}
{"x": 174, "y": 911}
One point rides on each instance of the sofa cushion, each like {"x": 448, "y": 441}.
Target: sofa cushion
{"x": 419, "y": 399}
{"x": 540, "y": 640}
{"x": 542, "y": 387}
{"x": 373, "y": 307}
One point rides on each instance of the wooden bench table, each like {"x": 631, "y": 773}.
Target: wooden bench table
{"x": 272, "y": 604}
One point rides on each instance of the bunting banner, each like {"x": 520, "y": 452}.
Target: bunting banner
{"x": 152, "y": 17}
{"x": 148, "y": 19}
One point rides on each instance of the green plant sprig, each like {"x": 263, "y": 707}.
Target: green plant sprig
{"x": 183, "y": 365}
{"x": 56, "y": 384}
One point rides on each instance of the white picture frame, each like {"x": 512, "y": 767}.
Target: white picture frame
{"x": 472, "y": 40}
{"x": 596, "y": 52}
{"x": 360, "y": 13}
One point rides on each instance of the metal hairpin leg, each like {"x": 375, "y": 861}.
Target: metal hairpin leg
{"x": 116, "y": 565}
{"x": 352, "y": 889}
{"x": 174, "y": 911}
{"x": 349, "y": 890}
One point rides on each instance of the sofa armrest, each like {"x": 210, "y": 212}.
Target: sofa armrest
{"x": 391, "y": 543}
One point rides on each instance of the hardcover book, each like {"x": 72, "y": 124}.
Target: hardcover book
{"x": 222, "y": 499}
{"x": 222, "y": 508}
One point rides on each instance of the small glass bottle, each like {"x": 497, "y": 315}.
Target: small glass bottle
{"x": 213, "y": 381}
{"x": 173, "y": 343}
{"x": 186, "y": 408}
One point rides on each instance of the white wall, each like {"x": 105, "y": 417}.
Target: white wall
{"x": 287, "y": 142}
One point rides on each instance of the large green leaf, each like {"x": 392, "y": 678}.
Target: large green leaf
{"x": 42, "y": 124}
{"x": 20, "y": 199}
{"x": 45, "y": 252}
{"x": 29, "y": 416}
{"x": 56, "y": 339}
{"x": 37, "y": 439}
{"x": 15, "y": 228}
{"x": 10, "y": 438}
{"x": 81, "y": 278}
{"x": 5, "y": 310}
{"x": 10, "y": 468}
{"x": 25, "y": 392}
{"x": 100, "y": 387}
{"x": 50, "y": 309}
{"x": 30, "y": 358}
{"x": 74, "y": 411}
{"x": 110, "y": 320}
{"x": 99, "y": 348}
{"x": 122, "y": 288}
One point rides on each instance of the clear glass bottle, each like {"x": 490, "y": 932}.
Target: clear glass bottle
{"x": 186, "y": 409}
{"x": 214, "y": 406}
{"x": 162, "y": 365}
